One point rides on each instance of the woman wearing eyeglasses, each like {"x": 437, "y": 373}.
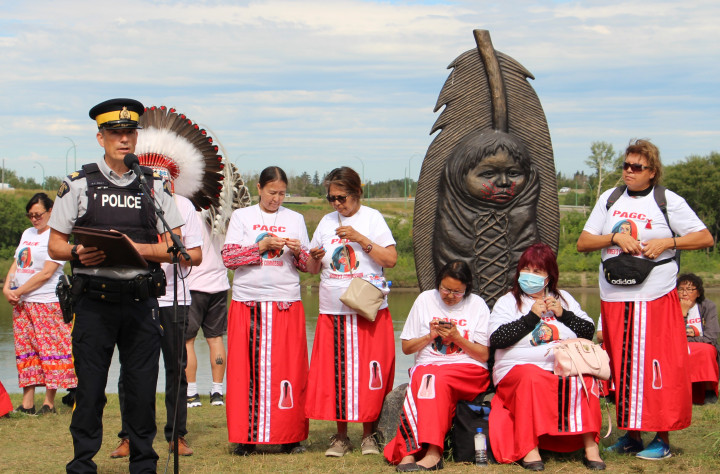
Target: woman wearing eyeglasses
{"x": 42, "y": 339}
{"x": 702, "y": 331}
{"x": 533, "y": 408}
{"x": 447, "y": 331}
{"x": 353, "y": 360}
{"x": 642, "y": 328}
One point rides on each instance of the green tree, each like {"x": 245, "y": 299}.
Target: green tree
{"x": 605, "y": 165}
{"x": 52, "y": 184}
{"x": 697, "y": 179}
{"x": 14, "y": 222}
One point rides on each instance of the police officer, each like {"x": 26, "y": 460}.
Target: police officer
{"x": 114, "y": 304}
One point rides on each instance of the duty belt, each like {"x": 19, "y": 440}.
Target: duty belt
{"x": 139, "y": 288}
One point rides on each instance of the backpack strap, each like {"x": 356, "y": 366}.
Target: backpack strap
{"x": 612, "y": 199}
{"x": 659, "y": 195}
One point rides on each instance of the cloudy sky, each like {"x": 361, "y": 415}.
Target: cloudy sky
{"x": 315, "y": 84}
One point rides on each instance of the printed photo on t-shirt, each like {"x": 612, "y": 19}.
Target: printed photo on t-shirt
{"x": 24, "y": 259}
{"x": 693, "y": 324}
{"x": 544, "y": 334}
{"x": 626, "y": 226}
{"x": 344, "y": 259}
{"x": 270, "y": 253}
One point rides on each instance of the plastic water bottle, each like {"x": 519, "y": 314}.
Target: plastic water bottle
{"x": 480, "y": 448}
{"x": 13, "y": 282}
{"x": 380, "y": 283}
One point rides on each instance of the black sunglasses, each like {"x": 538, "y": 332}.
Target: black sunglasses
{"x": 30, "y": 215}
{"x": 635, "y": 167}
{"x": 341, "y": 199}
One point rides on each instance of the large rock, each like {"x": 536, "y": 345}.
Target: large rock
{"x": 390, "y": 414}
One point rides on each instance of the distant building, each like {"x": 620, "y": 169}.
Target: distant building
{"x": 5, "y": 186}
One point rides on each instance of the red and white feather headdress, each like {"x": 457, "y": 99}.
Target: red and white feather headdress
{"x": 179, "y": 150}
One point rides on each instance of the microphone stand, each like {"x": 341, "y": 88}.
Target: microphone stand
{"x": 178, "y": 248}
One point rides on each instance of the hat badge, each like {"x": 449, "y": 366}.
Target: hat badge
{"x": 124, "y": 114}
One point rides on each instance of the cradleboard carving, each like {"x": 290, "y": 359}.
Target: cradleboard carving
{"x": 487, "y": 187}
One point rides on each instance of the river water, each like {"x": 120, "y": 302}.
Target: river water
{"x": 400, "y": 301}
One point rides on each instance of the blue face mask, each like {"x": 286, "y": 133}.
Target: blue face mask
{"x": 531, "y": 283}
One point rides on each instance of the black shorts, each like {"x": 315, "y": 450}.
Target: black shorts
{"x": 209, "y": 311}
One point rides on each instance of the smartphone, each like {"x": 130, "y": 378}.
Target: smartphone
{"x": 445, "y": 324}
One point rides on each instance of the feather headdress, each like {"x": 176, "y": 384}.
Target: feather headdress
{"x": 233, "y": 195}
{"x": 179, "y": 149}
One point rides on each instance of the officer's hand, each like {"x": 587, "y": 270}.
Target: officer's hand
{"x": 90, "y": 256}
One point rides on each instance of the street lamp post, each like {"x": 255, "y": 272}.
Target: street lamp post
{"x": 74, "y": 155}
{"x": 66, "y": 158}
{"x": 363, "y": 174}
{"x": 405, "y": 181}
{"x": 43, "y": 174}
{"x": 408, "y": 180}
{"x": 576, "y": 191}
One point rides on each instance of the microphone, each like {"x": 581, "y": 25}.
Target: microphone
{"x": 131, "y": 162}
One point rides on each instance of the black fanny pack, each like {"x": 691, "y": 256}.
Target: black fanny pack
{"x": 625, "y": 270}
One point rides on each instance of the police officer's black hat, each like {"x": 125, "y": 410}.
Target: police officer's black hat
{"x": 117, "y": 113}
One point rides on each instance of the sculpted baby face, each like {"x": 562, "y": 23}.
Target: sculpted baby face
{"x": 496, "y": 179}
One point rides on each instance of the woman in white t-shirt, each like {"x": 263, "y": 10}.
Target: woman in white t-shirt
{"x": 447, "y": 331}
{"x": 353, "y": 359}
{"x": 643, "y": 330}
{"x": 267, "y": 361}
{"x": 42, "y": 339}
{"x": 533, "y": 408}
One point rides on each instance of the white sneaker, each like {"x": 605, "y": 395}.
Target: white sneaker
{"x": 194, "y": 401}
{"x": 216, "y": 399}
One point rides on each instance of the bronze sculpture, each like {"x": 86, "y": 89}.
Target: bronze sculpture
{"x": 487, "y": 187}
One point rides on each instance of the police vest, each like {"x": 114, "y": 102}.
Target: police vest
{"x": 122, "y": 208}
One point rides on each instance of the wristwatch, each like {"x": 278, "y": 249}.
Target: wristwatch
{"x": 73, "y": 253}
{"x": 368, "y": 249}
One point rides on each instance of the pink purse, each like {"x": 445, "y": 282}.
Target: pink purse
{"x": 580, "y": 356}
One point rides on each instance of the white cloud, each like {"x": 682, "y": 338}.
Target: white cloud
{"x": 305, "y": 84}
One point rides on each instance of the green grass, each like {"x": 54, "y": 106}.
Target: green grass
{"x": 43, "y": 444}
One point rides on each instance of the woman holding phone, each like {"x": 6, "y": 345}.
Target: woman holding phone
{"x": 447, "y": 331}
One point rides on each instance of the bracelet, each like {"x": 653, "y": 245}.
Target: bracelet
{"x": 612, "y": 238}
{"x": 674, "y": 243}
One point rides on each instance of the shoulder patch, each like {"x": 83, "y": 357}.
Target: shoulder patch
{"x": 167, "y": 187}
{"x": 63, "y": 190}
{"x": 76, "y": 175}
